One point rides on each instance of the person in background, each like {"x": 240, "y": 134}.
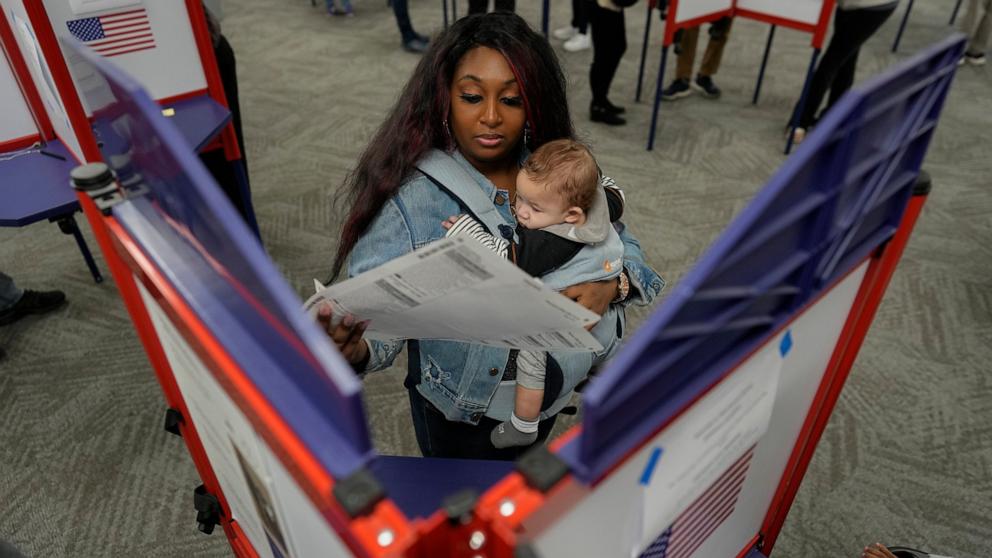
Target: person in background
{"x": 977, "y": 24}
{"x": 854, "y": 23}
{"x": 480, "y": 6}
{"x": 412, "y": 41}
{"x": 16, "y": 303}
{"x": 609, "y": 42}
{"x": 683, "y": 84}
{"x": 575, "y": 34}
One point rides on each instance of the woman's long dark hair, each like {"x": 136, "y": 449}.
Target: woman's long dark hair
{"x": 417, "y": 122}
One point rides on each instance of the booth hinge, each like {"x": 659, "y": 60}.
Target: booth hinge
{"x": 207, "y": 510}
{"x": 358, "y": 493}
{"x": 173, "y": 419}
{"x": 97, "y": 181}
{"x": 459, "y": 506}
{"x": 541, "y": 468}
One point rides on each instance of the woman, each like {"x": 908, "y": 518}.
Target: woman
{"x": 856, "y": 21}
{"x": 488, "y": 90}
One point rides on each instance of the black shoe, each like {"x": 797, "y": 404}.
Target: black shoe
{"x": 705, "y": 85}
{"x": 613, "y": 108}
{"x": 32, "y": 302}
{"x": 904, "y": 552}
{"x": 417, "y": 45}
{"x": 602, "y": 113}
{"x": 678, "y": 89}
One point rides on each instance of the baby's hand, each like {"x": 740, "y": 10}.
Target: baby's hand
{"x": 450, "y": 221}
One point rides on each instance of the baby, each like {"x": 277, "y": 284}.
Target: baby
{"x": 564, "y": 222}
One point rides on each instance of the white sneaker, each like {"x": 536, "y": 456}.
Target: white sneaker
{"x": 581, "y": 41}
{"x": 564, "y": 33}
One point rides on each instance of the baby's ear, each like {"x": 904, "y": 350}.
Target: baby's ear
{"x": 574, "y": 215}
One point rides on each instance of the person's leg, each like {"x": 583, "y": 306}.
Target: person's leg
{"x": 687, "y": 56}
{"x": 477, "y": 6}
{"x": 719, "y": 33}
{"x": 521, "y": 429}
{"x": 609, "y": 43}
{"x": 412, "y": 41}
{"x": 865, "y": 25}
{"x": 833, "y": 58}
{"x": 504, "y": 5}
{"x": 10, "y": 294}
{"x": 579, "y": 19}
{"x": 979, "y": 42}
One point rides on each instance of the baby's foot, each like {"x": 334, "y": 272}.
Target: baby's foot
{"x": 505, "y": 435}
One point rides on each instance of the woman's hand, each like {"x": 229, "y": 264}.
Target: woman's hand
{"x": 877, "y": 550}
{"x": 346, "y": 334}
{"x": 595, "y": 295}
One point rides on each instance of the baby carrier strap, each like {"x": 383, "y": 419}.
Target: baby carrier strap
{"x": 452, "y": 178}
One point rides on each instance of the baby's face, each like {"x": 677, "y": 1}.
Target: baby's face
{"x": 538, "y": 207}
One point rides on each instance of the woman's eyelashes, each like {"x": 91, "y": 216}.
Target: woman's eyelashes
{"x": 514, "y": 101}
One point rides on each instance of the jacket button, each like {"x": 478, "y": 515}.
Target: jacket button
{"x": 493, "y": 371}
{"x": 500, "y": 200}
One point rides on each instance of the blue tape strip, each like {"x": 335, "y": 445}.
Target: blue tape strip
{"x": 649, "y": 468}
{"x": 786, "y": 345}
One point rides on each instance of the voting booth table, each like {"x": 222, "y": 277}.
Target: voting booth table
{"x": 808, "y": 16}
{"x": 694, "y": 438}
{"x": 166, "y": 46}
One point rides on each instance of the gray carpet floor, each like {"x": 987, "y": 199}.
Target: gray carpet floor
{"x": 86, "y": 469}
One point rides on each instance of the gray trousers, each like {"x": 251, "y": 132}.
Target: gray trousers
{"x": 9, "y": 293}
{"x": 976, "y": 25}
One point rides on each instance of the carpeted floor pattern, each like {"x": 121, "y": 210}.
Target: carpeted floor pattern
{"x": 86, "y": 469}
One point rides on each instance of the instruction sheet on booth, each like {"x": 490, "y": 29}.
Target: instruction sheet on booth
{"x": 456, "y": 289}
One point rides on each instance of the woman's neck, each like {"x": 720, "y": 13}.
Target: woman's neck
{"x": 503, "y": 174}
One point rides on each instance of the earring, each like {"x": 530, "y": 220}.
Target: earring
{"x": 527, "y": 135}
{"x": 447, "y": 132}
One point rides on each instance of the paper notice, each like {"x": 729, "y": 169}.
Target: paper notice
{"x": 456, "y": 289}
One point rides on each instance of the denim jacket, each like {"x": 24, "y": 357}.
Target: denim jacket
{"x": 464, "y": 381}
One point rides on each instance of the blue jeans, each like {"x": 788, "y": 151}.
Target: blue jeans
{"x": 9, "y": 293}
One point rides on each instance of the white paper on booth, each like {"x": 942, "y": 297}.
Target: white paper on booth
{"x": 45, "y": 84}
{"x": 456, "y": 289}
{"x": 711, "y": 436}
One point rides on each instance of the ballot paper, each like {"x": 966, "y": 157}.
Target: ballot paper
{"x": 456, "y": 289}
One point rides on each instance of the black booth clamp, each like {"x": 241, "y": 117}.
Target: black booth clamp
{"x": 173, "y": 419}
{"x": 459, "y": 506}
{"x": 207, "y": 510}
{"x": 541, "y": 468}
{"x": 358, "y": 493}
{"x": 96, "y": 180}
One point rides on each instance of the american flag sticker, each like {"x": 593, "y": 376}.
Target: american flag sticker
{"x": 703, "y": 516}
{"x": 114, "y": 34}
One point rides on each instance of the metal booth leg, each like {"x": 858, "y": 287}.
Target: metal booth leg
{"x": 764, "y": 63}
{"x": 644, "y": 55}
{"x": 67, "y": 224}
{"x": 657, "y": 96}
{"x": 902, "y": 26}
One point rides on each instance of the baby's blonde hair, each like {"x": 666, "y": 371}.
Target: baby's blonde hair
{"x": 568, "y": 168}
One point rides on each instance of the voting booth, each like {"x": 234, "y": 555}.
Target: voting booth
{"x": 166, "y": 46}
{"x": 694, "y": 438}
{"x": 808, "y": 16}
{"x": 34, "y": 162}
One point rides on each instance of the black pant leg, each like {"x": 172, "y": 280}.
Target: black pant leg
{"x": 852, "y": 28}
{"x": 504, "y": 5}
{"x": 402, "y": 14}
{"x": 609, "y": 42}
{"x": 579, "y": 19}
{"x": 477, "y": 6}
